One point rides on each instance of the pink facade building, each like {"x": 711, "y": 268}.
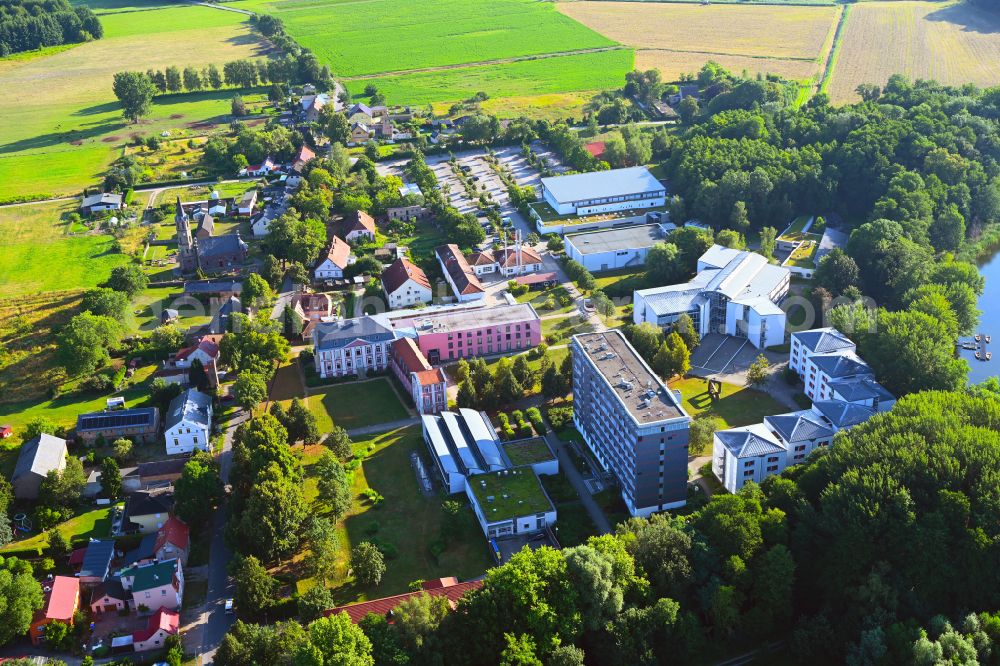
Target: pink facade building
{"x": 428, "y": 385}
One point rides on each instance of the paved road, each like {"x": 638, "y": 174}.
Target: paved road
{"x": 213, "y": 623}
{"x": 567, "y": 466}
{"x": 39, "y": 201}
{"x": 156, "y": 191}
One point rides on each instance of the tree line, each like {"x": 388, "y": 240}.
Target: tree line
{"x": 26, "y": 25}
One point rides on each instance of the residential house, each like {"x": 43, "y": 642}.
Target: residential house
{"x": 155, "y": 586}
{"x": 109, "y": 597}
{"x": 360, "y": 133}
{"x": 362, "y": 113}
{"x": 351, "y": 346}
{"x": 222, "y": 317}
{"x": 98, "y": 203}
{"x": 862, "y": 390}
{"x": 302, "y": 158}
{"x": 6, "y": 431}
{"x": 260, "y": 225}
{"x": 37, "y": 457}
{"x": 247, "y": 202}
{"x": 460, "y": 276}
{"x": 405, "y": 285}
{"x": 359, "y": 227}
{"x": 448, "y": 587}
{"x": 262, "y": 169}
{"x": 334, "y": 261}
{"x": 146, "y": 511}
{"x": 428, "y": 386}
{"x": 143, "y": 553}
{"x": 96, "y": 561}
{"x": 162, "y": 625}
{"x": 188, "y": 422}
{"x": 206, "y": 227}
{"x": 61, "y": 601}
{"x": 139, "y": 425}
{"x": 822, "y": 370}
{"x": 312, "y": 106}
{"x": 801, "y": 433}
{"x": 518, "y": 260}
{"x": 482, "y": 263}
{"x": 173, "y": 541}
{"x": 213, "y": 288}
{"x": 308, "y": 308}
{"x": 176, "y": 369}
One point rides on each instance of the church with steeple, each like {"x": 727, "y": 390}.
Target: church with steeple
{"x": 211, "y": 254}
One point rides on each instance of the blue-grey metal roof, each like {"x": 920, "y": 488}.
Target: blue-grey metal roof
{"x": 854, "y": 389}
{"x": 97, "y": 559}
{"x": 337, "y": 334}
{"x": 844, "y": 364}
{"x": 824, "y": 340}
{"x": 602, "y": 184}
{"x": 213, "y": 287}
{"x": 221, "y": 246}
{"x": 144, "y": 551}
{"x": 191, "y": 405}
{"x": 801, "y": 426}
{"x": 843, "y": 414}
{"x": 750, "y": 441}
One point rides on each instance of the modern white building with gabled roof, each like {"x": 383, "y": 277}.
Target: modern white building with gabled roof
{"x": 188, "y": 423}
{"x": 735, "y": 293}
{"x": 750, "y": 453}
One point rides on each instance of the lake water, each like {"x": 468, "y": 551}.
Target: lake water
{"x": 989, "y": 322}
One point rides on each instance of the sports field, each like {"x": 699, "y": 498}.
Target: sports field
{"x": 680, "y": 38}
{"x": 61, "y": 124}
{"x": 953, "y": 43}
{"x": 587, "y": 71}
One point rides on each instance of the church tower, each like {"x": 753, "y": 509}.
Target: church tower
{"x": 187, "y": 255}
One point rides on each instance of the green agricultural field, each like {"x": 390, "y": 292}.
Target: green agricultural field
{"x": 61, "y": 124}
{"x": 586, "y": 71}
{"x": 376, "y": 36}
{"x": 41, "y": 255}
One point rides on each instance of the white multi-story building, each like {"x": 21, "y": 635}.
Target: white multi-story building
{"x": 405, "y": 285}
{"x": 750, "y": 453}
{"x": 334, "y": 261}
{"x": 351, "y": 346}
{"x": 805, "y": 344}
{"x": 188, "y": 423}
{"x": 830, "y": 368}
{"x": 633, "y": 424}
{"x": 603, "y": 191}
{"x": 735, "y": 293}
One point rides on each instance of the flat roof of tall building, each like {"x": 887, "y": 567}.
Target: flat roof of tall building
{"x": 622, "y": 238}
{"x": 646, "y": 397}
{"x": 460, "y": 319}
{"x": 601, "y": 184}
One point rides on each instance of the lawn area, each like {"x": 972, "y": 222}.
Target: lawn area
{"x": 619, "y": 284}
{"x": 559, "y": 329}
{"x": 524, "y": 78}
{"x": 540, "y": 300}
{"x": 60, "y": 141}
{"x": 41, "y": 255}
{"x": 552, "y": 106}
{"x": 356, "y": 405}
{"x": 738, "y": 406}
{"x": 347, "y": 37}
{"x": 409, "y": 521}
{"x": 90, "y": 524}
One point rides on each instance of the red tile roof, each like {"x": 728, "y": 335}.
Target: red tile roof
{"x": 442, "y": 587}
{"x": 64, "y": 598}
{"x": 458, "y": 269}
{"x": 76, "y": 557}
{"x": 168, "y": 620}
{"x": 481, "y": 258}
{"x": 401, "y": 270}
{"x": 360, "y": 221}
{"x": 508, "y": 257}
{"x": 305, "y": 154}
{"x": 210, "y": 348}
{"x": 595, "y": 148}
{"x": 430, "y": 377}
{"x": 408, "y": 356}
{"x": 339, "y": 253}
{"x": 174, "y": 532}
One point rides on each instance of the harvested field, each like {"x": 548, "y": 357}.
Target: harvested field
{"x": 769, "y": 31}
{"x": 674, "y": 63}
{"x": 952, "y": 43}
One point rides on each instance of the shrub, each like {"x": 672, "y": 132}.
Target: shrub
{"x": 373, "y": 496}
{"x": 524, "y": 430}
{"x": 535, "y": 417}
{"x": 560, "y": 417}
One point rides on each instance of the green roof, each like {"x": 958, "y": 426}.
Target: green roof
{"x": 150, "y": 576}
{"x": 548, "y": 214}
{"x": 528, "y": 451}
{"x": 514, "y": 493}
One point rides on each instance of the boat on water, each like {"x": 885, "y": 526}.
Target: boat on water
{"x": 987, "y": 339}
{"x": 989, "y": 355}
{"x": 978, "y": 357}
{"x": 978, "y": 337}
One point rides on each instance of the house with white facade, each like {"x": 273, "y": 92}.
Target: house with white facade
{"x": 509, "y": 262}
{"x": 405, "y": 285}
{"x": 830, "y": 368}
{"x": 603, "y": 191}
{"x": 155, "y": 585}
{"x": 734, "y": 293}
{"x": 161, "y": 625}
{"x": 462, "y": 279}
{"x": 351, "y": 346}
{"x": 359, "y": 227}
{"x": 750, "y": 453}
{"x": 247, "y": 202}
{"x": 188, "y": 423}
{"x": 334, "y": 261}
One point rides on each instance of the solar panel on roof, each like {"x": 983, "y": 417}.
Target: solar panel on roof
{"x": 104, "y": 420}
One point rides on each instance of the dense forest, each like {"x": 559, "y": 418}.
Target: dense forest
{"x": 26, "y": 25}
{"x": 882, "y": 550}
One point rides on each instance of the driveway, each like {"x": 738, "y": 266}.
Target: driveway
{"x": 576, "y": 480}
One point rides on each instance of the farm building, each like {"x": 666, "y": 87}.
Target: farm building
{"x": 603, "y": 191}
{"x": 141, "y": 425}
{"x": 609, "y": 249}
{"x": 36, "y": 459}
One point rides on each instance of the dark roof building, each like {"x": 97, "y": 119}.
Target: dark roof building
{"x": 337, "y": 334}
{"x": 141, "y": 424}
{"x": 97, "y": 561}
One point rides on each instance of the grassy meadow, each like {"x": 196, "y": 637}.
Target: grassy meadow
{"x": 377, "y": 36}
{"x": 520, "y": 79}
{"x": 62, "y": 125}
{"x": 953, "y": 43}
